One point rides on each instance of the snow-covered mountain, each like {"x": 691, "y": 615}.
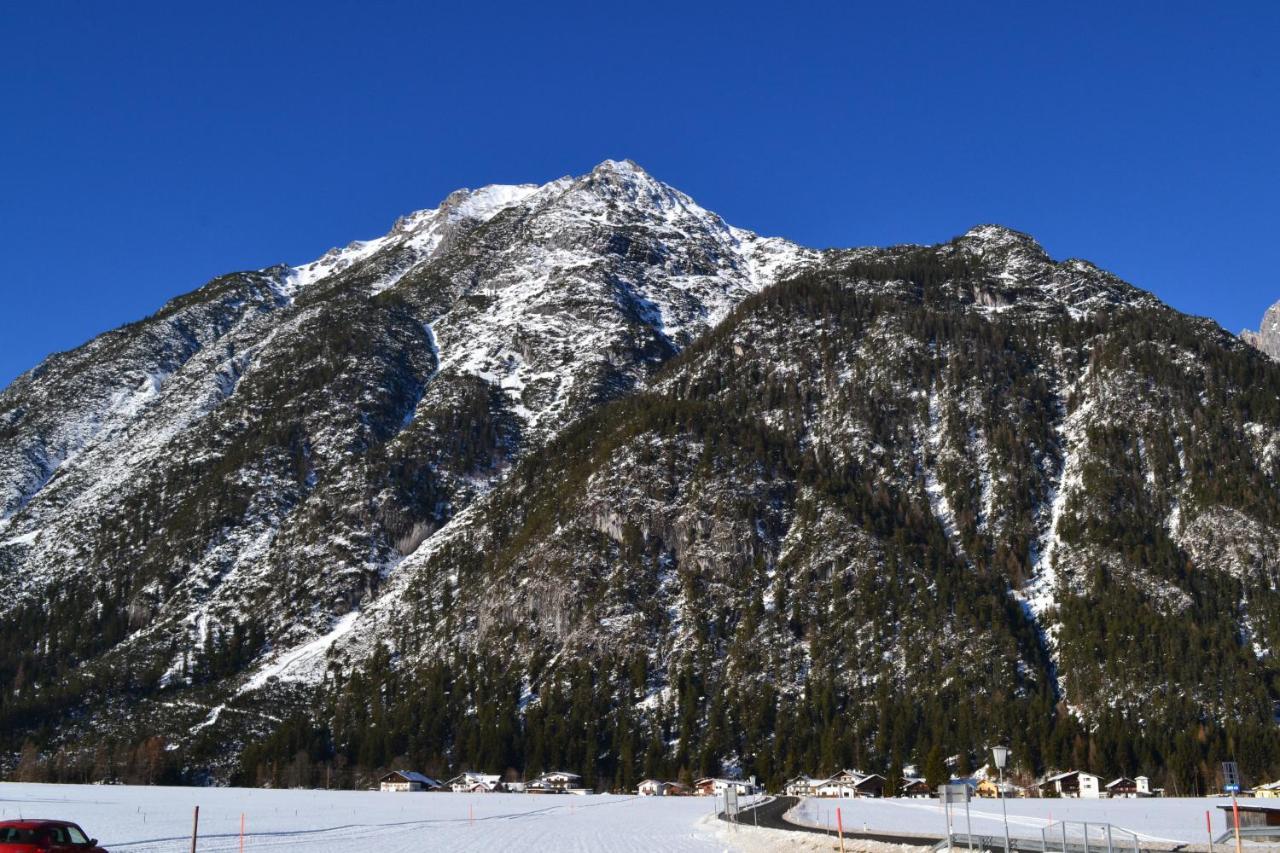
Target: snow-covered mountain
{"x": 584, "y": 451}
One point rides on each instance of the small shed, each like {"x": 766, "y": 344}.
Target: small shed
{"x": 1253, "y": 815}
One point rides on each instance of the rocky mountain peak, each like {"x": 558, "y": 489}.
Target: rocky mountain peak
{"x": 551, "y": 423}
{"x": 1267, "y": 338}
{"x": 998, "y": 238}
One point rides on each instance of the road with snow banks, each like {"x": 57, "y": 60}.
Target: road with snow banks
{"x": 771, "y": 815}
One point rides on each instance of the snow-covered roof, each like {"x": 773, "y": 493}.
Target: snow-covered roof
{"x": 471, "y": 777}
{"x": 1069, "y": 774}
{"x": 559, "y": 774}
{"x": 648, "y": 782}
{"x": 1121, "y": 780}
{"x": 411, "y": 776}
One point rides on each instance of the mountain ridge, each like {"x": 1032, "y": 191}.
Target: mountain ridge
{"x": 592, "y": 436}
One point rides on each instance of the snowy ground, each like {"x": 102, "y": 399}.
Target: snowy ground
{"x": 1169, "y": 819}
{"x": 147, "y": 820}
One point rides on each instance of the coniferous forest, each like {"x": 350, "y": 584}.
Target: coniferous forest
{"x": 644, "y": 511}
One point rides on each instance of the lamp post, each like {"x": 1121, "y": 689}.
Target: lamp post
{"x": 1001, "y": 755}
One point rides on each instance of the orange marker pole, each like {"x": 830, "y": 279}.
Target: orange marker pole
{"x": 1235, "y": 810}
{"x": 1208, "y": 825}
{"x": 840, "y": 828}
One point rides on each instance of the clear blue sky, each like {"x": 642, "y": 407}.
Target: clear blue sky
{"x": 148, "y": 147}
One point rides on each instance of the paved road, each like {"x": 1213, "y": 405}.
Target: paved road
{"x": 770, "y": 815}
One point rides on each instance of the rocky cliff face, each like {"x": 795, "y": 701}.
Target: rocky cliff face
{"x": 1267, "y": 338}
{"x": 589, "y": 424}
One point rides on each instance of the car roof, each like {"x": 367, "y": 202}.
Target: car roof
{"x": 33, "y": 823}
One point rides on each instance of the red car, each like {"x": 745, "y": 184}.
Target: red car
{"x": 45, "y": 836}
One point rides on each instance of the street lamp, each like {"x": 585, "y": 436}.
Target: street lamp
{"x": 1001, "y": 755}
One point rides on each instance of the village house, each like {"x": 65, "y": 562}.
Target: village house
{"x": 716, "y": 787}
{"x": 555, "y": 782}
{"x": 843, "y": 784}
{"x": 914, "y": 788}
{"x": 1269, "y": 791}
{"x": 1122, "y": 788}
{"x": 846, "y": 783}
{"x": 407, "y": 781}
{"x": 871, "y": 785}
{"x": 658, "y": 788}
{"x": 800, "y": 786}
{"x": 1073, "y": 783}
{"x": 990, "y": 789}
{"x": 470, "y": 782}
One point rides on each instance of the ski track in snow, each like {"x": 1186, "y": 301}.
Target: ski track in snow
{"x": 131, "y": 819}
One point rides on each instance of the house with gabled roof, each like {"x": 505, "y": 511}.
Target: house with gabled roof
{"x": 711, "y": 786}
{"x": 1269, "y": 791}
{"x": 1122, "y": 788}
{"x": 849, "y": 783}
{"x": 914, "y": 787}
{"x": 659, "y": 788}
{"x": 800, "y": 786}
{"x": 401, "y": 781}
{"x": 554, "y": 782}
{"x": 470, "y": 782}
{"x": 1073, "y": 783}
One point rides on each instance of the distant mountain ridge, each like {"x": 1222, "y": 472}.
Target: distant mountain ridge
{"x": 580, "y": 475}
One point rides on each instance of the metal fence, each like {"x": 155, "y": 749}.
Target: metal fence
{"x": 1069, "y": 836}
{"x": 1058, "y": 837}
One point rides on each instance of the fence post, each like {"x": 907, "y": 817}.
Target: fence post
{"x": 1064, "y": 836}
{"x": 195, "y": 828}
{"x": 1108, "y": 838}
{"x": 1086, "y": 837}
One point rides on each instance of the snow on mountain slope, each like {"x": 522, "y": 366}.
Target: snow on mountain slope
{"x": 569, "y": 419}
{"x": 203, "y": 446}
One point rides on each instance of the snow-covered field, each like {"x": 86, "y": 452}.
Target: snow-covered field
{"x": 141, "y": 820}
{"x": 1172, "y": 819}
